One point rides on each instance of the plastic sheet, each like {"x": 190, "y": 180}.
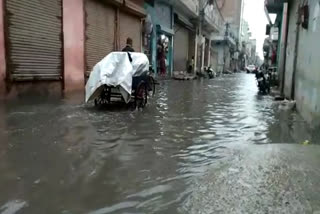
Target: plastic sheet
{"x": 116, "y": 69}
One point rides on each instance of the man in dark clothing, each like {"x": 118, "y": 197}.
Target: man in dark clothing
{"x": 128, "y": 47}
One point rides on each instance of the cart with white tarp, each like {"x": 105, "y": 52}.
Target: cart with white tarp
{"x": 121, "y": 76}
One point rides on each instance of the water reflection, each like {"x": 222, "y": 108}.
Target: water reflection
{"x": 61, "y": 157}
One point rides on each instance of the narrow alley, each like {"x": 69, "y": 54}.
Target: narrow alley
{"x": 205, "y": 146}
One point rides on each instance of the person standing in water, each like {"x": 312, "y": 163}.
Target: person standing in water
{"x": 128, "y": 47}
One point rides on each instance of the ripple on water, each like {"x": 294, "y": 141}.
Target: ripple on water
{"x": 12, "y": 207}
{"x": 122, "y": 161}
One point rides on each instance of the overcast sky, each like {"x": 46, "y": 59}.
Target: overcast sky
{"x": 256, "y": 17}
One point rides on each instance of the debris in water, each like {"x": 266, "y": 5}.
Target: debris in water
{"x": 92, "y": 173}
{"x": 287, "y": 105}
{"x": 306, "y": 142}
{"x": 37, "y": 181}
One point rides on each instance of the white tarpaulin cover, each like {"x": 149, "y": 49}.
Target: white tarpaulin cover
{"x": 116, "y": 70}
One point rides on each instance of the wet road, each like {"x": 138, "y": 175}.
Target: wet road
{"x": 199, "y": 147}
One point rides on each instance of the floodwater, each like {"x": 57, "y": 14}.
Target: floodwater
{"x": 204, "y": 146}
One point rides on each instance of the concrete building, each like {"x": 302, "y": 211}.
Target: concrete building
{"x": 161, "y": 13}
{"x": 224, "y": 51}
{"x": 271, "y": 45}
{"x": 185, "y": 16}
{"x": 177, "y": 20}
{"x": 245, "y": 32}
{"x": 211, "y": 22}
{"x": 232, "y": 11}
{"x": 298, "y": 65}
{"x": 192, "y": 24}
{"x": 225, "y": 46}
{"x": 244, "y": 41}
{"x": 50, "y": 46}
{"x": 251, "y": 49}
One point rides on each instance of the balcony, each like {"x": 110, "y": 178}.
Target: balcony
{"x": 213, "y": 20}
{"x": 274, "y": 6}
{"x": 231, "y": 38}
{"x": 187, "y": 7}
{"x": 191, "y": 7}
{"x": 114, "y": 2}
{"x": 135, "y": 6}
{"x": 226, "y": 36}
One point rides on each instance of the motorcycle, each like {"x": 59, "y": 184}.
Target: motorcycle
{"x": 263, "y": 80}
{"x": 210, "y": 72}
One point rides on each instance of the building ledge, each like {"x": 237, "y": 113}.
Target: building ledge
{"x": 211, "y": 25}
{"x": 184, "y": 21}
{"x": 274, "y": 6}
{"x": 114, "y": 2}
{"x": 161, "y": 28}
{"x": 134, "y": 9}
{"x": 227, "y": 39}
{"x": 231, "y": 41}
{"x": 187, "y": 7}
{"x": 217, "y": 38}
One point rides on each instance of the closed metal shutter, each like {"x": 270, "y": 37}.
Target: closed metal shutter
{"x": 100, "y": 28}
{"x": 214, "y": 60}
{"x": 181, "y": 46}
{"x": 34, "y": 36}
{"x": 130, "y": 26}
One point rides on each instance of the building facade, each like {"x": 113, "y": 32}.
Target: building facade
{"x": 232, "y": 11}
{"x": 189, "y": 30}
{"x": 161, "y": 14}
{"x": 52, "y": 45}
{"x": 226, "y": 45}
{"x": 298, "y": 65}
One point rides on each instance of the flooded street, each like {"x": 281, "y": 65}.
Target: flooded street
{"x": 204, "y": 146}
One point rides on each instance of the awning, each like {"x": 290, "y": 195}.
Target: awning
{"x": 114, "y": 2}
{"x": 223, "y": 39}
{"x": 128, "y": 6}
{"x": 274, "y": 6}
{"x": 184, "y": 21}
{"x": 134, "y": 9}
{"x": 163, "y": 29}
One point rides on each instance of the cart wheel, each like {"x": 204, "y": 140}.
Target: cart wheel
{"x": 151, "y": 85}
{"x": 108, "y": 95}
{"x": 141, "y": 95}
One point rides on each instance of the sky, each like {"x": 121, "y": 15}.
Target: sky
{"x": 254, "y": 14}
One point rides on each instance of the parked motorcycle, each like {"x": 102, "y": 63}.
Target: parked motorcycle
{"x": 263, "y": 80}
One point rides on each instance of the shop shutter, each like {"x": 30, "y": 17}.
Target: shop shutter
{"x": 130, "y": 26}
{"x": 34, "y": 34}
{"x": 100, "y": 28}
{"x": 181, "y": 46}
{"x": 214, "y": 60}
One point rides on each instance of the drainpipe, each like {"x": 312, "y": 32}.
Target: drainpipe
{"x": 117, "y": 30}
{"x": 295, "y": 59}
{"x": 282, "y": 61}
{"x": 201, "y": 20}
